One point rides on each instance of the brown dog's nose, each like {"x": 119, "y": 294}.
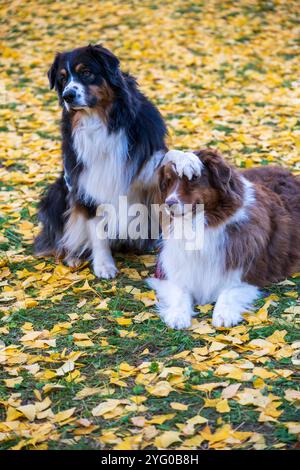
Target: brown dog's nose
{"x": 171, "y": 202}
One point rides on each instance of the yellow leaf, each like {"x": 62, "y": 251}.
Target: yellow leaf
{"x": 30, "y": 303}
{"x": 105, "y": 407}
{"x": 160, "y": 419}
{"x": 11, "y": 383}
{"x": 4, "y": 330}
{"x": 103, "y": 305}
{"x": 85, "y": 430}
{"x": 143, "y": 316}
{"x": 222, "y": 406}
{"x": 230, "y": 391}
{"x": 204, "y": 308}
{"x": 12, "y": 414}
{"x": 148, "y": 260}
{"x": 28, "y": 411}
{"x": 89, "y": 391}
{"x": 197, "y": 420}
{"x": 201, "y": 328}
{"x": 63, "y": 415}
{"x": 66, "y": 368}
{"x": 138, "y": 399}
{"x": 293, "y": 427}
{"x": 84, "y": 288}
{"x": 293, "y": 295}
{"x": 124, "y": 321}
{"x": 73, "y": 376}
{"x": 48, "y": 387}
{"x": 131, "y": 273}
{"x": 116, "y": 381}
{"x": 193, "y": 442}
{"x": 166, "y": 439}
{"x": 221, "y": 434}
{"x": 49, "y": 374}
{"x": 87, "y": 317}
{"x": 263, "y": 373}
{"x": 189, "y": 427}
{"x": 161, "y": 389}
{"x": 178, "y": 406}
{"x": 216, "y": 346}
{"x": 259, "y": 383}
{"x": 208, "y": 387}
{"x": 295, "y": 309}
{"x": 292, "y": 395}
{"x": 43, "y": 405}
{"x": 139, "y": 421}
{"x": 148, "y": 298}
{"x": 84, "y": 344}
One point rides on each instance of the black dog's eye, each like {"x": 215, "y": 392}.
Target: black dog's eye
{"x": 63, "y": 79}
{"x": 86, "y": 73}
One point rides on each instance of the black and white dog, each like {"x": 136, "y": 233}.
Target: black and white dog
{"x": 113, "y": 141}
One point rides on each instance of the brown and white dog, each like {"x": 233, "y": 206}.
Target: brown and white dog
{"x": 251, "y": 239}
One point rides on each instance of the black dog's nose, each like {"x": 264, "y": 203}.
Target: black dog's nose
{"x": 69, "y": 95}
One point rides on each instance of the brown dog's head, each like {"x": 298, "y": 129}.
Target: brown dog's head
{"x": 218, "y": 188}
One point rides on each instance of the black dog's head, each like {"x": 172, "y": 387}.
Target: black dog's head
{"x": 86, "y": 77}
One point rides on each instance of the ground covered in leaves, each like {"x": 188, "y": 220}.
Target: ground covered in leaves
{"x": 87, "y": 363}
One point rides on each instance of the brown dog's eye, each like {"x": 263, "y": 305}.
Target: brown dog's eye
{"x": 163, "y": 186}
{"x": 195, "y": 178}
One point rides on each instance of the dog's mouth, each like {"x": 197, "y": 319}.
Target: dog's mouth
{"x": 181, "y": 210}
{"x": 76, "y": 107}
{"x": 175, "y": 210}
{"x": 88, "y": 105}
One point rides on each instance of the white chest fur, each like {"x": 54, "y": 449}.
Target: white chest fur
{"x": 200, "y": 272}
{"x": 104, "y": 176}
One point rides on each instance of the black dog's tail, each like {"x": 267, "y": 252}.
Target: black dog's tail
{"x": 51, "y": 213}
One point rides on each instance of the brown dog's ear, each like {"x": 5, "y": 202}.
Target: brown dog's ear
{"x": 220, "y": 172}
{"x": 161, "y": 179}
{"x": 52, "y": 72}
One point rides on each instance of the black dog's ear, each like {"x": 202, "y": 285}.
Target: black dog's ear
{"x": 109, "y": 62}
{"x": 53, "y": 71}
{"x": 220, "y": 173}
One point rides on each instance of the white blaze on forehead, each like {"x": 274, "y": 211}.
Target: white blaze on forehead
{"x": 77, "y": 87}
{"x": 185, "y": 163}
{"x": 174, "y": 194}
